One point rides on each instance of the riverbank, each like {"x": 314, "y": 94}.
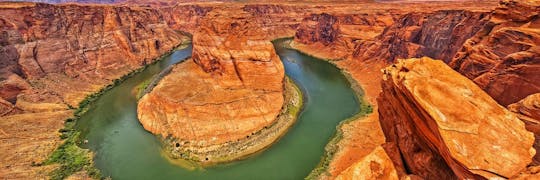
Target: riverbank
{"x": 69, "y": 156}
{"x": 358, "y": 135}
{"x": 242, "y": 148}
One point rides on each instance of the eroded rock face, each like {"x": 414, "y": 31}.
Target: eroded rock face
{"x": 90, "y": 45}
{"x": 437, "y": 35}
{"x": 530, "y": 106}
{"x": 418, "y": 112}
{"x": 368, "y": 40}
{"x": 335, "y": 36}
{"x": 185, "y": 17}
{"x": 230, "y": 90}
{"x": 376, "y": 165}
{"x": 528, "y": 110}
{"x": 52, "y": 57}
{"x": 504, "y": 57}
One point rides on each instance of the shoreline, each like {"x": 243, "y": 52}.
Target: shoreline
{"x": 257, "y": 142}
{"x": 366, "y": 110}
{"x": 70, "y": 146}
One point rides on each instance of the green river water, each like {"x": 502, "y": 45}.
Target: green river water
{"x": 124, "y": 150}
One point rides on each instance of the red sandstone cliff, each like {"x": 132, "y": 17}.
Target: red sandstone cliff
{"x": 503, "y": 58}
{"x": 52, "y": 57}
{"x": 418, "y": 115}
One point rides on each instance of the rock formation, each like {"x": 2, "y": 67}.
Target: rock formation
{"x": 418, "y": 114}
{"x": 52, "y": 57}
{"x": 528, "y": 110}
{"x": 503, "y": 57}
{"x": 367, "y": 41}
{"x": 530, "y": 106}
{"x": 438, "y": 35}
{"x": 335, "y": 36}
{"x": 230, "y": 92}
{"x": 376, "y": 165}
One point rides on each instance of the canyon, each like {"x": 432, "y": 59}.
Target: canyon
{"x": 53, "y": 57}
{"x": 447, "y": 89}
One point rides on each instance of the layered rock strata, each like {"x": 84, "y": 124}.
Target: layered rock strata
{"x": 418, "y": 114}
{"x": 228, "y": 101}
{"x": 504, "y": 57}
{"x": 528, "y": 110}
{"x": 52, "y": 57}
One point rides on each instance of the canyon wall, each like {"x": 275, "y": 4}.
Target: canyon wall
{"x": 52, "y": 57}
{"x": 438, "y": 35}
{"x": 504, "y": 58}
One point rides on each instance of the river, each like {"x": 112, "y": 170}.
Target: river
{"x": 124, "y": 150}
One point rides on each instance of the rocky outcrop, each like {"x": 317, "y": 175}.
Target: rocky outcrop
{"x": 528, "y": 110}
{"x": 530, "y": 106}
{"x": 52, "y": 57}
{"x": 418, "y": 114}
{"x": 376, "y": 165}
{"x": 229, "y": 93}
{"x": 503, "y": 58}
{"x": 368, "y": 40}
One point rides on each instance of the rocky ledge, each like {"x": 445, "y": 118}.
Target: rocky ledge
{"x": 444, "y": 126}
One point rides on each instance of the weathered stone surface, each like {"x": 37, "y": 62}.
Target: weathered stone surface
{"x": 360, "y": 137}
{"x": 530, "y": 106}
{"x": 375, "y": 165}
{"x": 418, "y": 113}
{"x": 335, "y": 36}
{"x": 230, "y": 90}
{"x": 528, "y": 110}
{"x": 503, "y": 58}
{"x": 438, "y": 35}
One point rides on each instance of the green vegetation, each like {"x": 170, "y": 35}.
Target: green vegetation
{"x": 293, "y": 109}
{"x": 70, "y": 157}
{"x": 141, "y": 88}
{"x": 365, "y": 109}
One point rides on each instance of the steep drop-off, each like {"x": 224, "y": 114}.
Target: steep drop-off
{"x": 503, "y": 58}
{"x": 418, "y": 114}
{"x": 52, "y": 57}
{"x": 369, "y": 40}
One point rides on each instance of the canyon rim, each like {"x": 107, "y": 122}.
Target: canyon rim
{"x": 393, "y": 89}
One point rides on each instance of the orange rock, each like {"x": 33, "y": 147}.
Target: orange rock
{"x": 528, "y": 110}
{"x": 230, "y": 90}
{"x": 441, "y": 120}
{"x": 530, "y": 106}
{"x": 503, "y": 58}
{"x": 376, "y": 165}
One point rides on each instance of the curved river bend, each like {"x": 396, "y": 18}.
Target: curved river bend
{"x": 124, "y": 150}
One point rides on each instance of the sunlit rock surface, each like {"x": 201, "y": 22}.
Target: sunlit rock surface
{"x": 441, "y": 120}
